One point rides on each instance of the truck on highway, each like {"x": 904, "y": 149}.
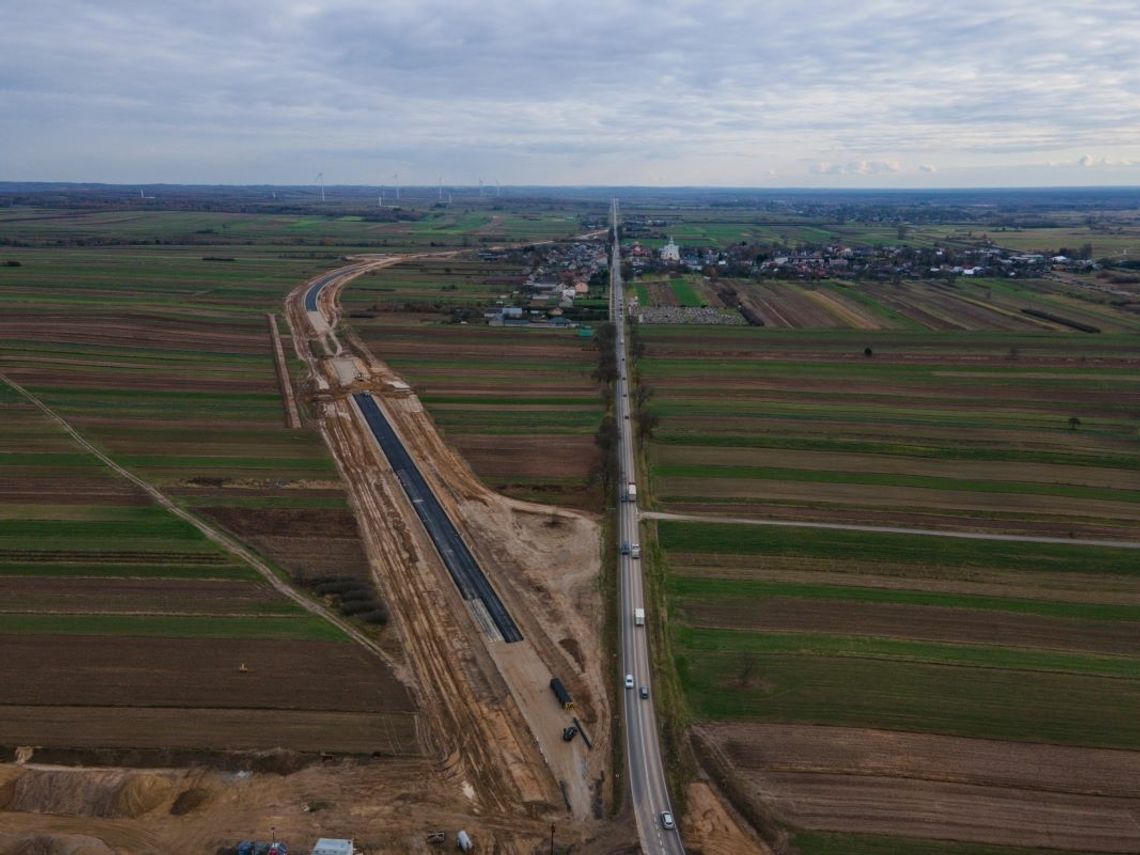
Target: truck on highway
{"x": 631, "y": 492}
{"x": 635, "y": 550}
{"x": 639, "y": 617}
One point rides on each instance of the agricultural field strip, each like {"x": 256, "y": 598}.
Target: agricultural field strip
{"x": 210, "y": 532}
{"x": 838, "y": 843}
{"x": 921, "y": 448}
{"x": 966, "y": 699}
{"x": 171, "y": 625}
{"x": 717, "y": 459}
{"x": 693, "y": 475}
{"x": 700, "y": 588}
{"x": 727, "y": 642}
{"x": 697, "y": 546}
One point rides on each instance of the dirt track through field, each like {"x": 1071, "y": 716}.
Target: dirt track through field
{"x": 224, "y": 540}
{"x": 292, "y": 416}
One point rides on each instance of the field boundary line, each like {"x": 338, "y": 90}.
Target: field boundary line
{"x": 883, "y": 529}
{"x": 292, "y": 414}
{"x": 227, "y": 542}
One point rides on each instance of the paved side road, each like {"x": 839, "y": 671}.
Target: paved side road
{"x": 648, "y": 789}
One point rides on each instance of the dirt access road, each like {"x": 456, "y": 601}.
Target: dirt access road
{"x": 488, "y": 714}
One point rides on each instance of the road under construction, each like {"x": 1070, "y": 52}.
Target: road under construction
{"x": 480, "y": 594}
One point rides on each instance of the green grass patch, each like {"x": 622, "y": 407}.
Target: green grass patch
{"x": 978, "y": 702}
{"x": 685, "y": 294}
{"x": 721, "y": 538}
{"x": 730, "y": 641}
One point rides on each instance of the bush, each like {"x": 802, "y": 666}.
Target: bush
{"x": 338, "y": 587}
{"x": 364, "y": 592}
{"x": 378, "y": 616}
{"x": 358, "y": 607}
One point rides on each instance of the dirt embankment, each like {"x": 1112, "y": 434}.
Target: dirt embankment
{"x": 386, "y": 807}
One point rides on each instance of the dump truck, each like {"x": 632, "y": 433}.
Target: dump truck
{"x": 560, "y": 692}
{"x": 639, "y": 617}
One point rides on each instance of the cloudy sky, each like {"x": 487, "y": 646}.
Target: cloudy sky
{"x": 768, "y": 93}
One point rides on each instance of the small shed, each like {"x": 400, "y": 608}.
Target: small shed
{"x": 561, "y": 693}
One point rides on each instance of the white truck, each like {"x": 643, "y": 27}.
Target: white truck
{"x": 631, "y": 492}
{"x": 639, "y": 617}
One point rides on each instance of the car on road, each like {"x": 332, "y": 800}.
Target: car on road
{"x": 625, "y": 549}
{"x": 667, "y": 820}
{"x": 629, "y": 681}
{"x": 644, "y": 692}
{"x": 635, "y": 550}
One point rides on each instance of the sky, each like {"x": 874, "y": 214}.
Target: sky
{"x": 812, "y": 93}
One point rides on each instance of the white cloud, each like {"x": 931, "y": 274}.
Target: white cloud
{"x": 276, "y": 90}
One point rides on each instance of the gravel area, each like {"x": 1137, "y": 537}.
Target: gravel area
{"x": 689, "y": 315}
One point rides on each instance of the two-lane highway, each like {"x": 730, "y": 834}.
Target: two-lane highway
{"x": 643, "y": 748}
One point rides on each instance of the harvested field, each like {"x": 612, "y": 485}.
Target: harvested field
{"x": 196, "y": 728}
{"x": 930, "y": 623}
{"x": 138, "y": 596}
{"x": 196, "y": 673}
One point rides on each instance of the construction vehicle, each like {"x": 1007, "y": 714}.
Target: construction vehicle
{"x": 569, "y": 733}
{"x": 631, "y": 492}
{"x": 560, "y": 692}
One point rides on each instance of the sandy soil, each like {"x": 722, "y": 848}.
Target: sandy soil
{"x": 386, "y": 807}
{"x": 710, "y": 826}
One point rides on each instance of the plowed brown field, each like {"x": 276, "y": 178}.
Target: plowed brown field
{"x": 846, "y": 779}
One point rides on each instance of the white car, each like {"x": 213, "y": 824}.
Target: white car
{"x": 629, "y": 681}
{"x": 667, "y": 821}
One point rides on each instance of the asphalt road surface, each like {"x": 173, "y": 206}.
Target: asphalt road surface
{"x": 468, "y": 576}
{"x": 643, "y": 747}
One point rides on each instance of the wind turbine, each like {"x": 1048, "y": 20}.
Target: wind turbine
{"x": 480, "y": 188}
{"x": 441, "y": 188}
{"x": 321, "y": 179}
{"x": 396, "y": 180}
